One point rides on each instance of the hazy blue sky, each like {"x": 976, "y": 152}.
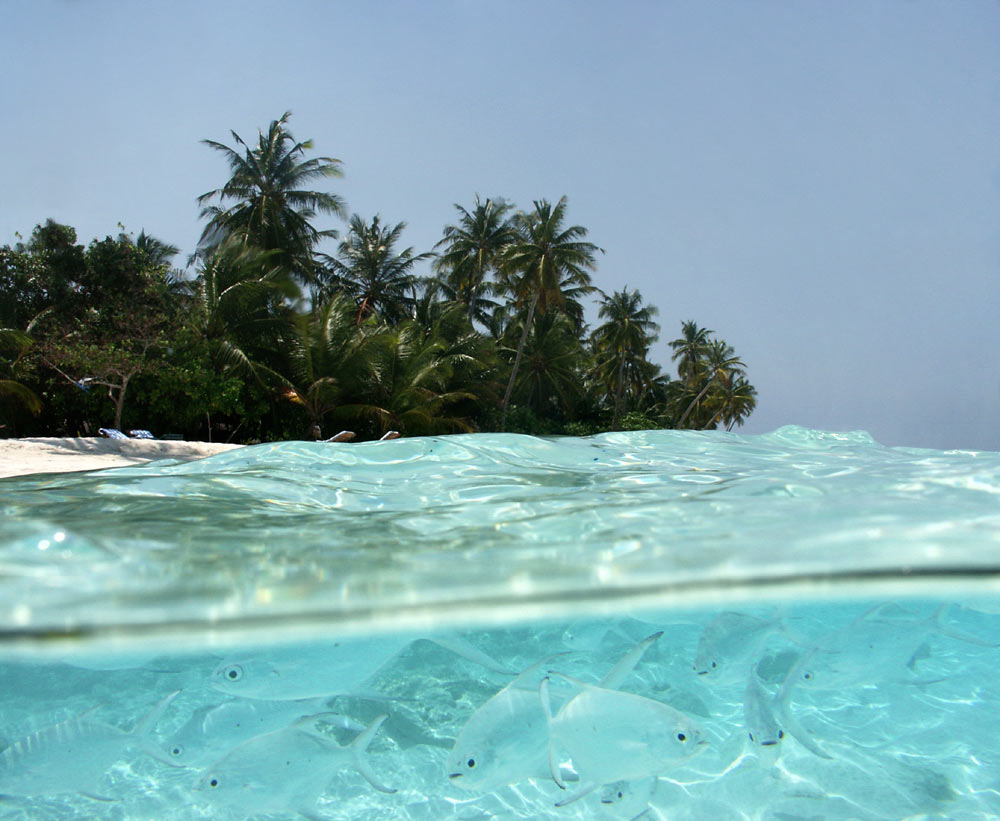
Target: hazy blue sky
{"x": 818, "y": 182}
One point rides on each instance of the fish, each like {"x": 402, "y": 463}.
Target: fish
{"x": 870, "y": 650}
{"x": 506, "y": 739}
{"x": 759, "y": 714}
{"x": 215, "y": 729}
{"x": 628, "y": 799}
{"x": 611, "y": 735}
{"x": 729, "y": 643}
{"x": 339, "y": 668}
{"x": 285, "y": 770}
{"x": 73, "y": 755}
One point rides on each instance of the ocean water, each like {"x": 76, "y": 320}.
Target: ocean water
{"x": 656, "y": 625}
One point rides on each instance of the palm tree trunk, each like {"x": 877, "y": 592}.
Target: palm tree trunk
{"x": 517, "y": 361}
{"x": 696, "y": 400}
{"x": 618, "y": 392}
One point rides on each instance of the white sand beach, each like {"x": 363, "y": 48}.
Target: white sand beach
{"x": 19, "y": 457}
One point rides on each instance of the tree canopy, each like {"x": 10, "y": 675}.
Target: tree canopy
{"x": 268, "y": 335}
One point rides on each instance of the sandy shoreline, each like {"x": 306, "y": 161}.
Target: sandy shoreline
{"x": 20, "y": 457}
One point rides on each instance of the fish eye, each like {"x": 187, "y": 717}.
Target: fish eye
{"x": 471, "y": 762}
{"x": 214, "y": 782}
{"x": 751, "y": 736}
{"x": 681, "y": 737}
{"x": 714, "y": 665}
{"x": 807, "y": 676}
{"x": 620, "y": 794}
{"x": 177, "y": 750}
{"x": 781, "y": 733}
{"x": 233, "y": 673}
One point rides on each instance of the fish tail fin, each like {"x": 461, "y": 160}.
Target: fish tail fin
{"x": 543, "y": 694}
{"x": 617, "y": 674}
{"x": 359, "y": 746}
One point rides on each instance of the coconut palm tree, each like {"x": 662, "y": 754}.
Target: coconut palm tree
{"x": 414, "y": 389}
{"x": 471, "y": 250}
{"x": 238, "y": 305}
{"x": 543, "y": 268}
{"x": 329, "y": 361}
{"x": 721, "y": 365}
{"x": 622, "y": 343}
{"x": 690, "y": 349}
{"x": 369, "y": 269}
{"x": 17, "y": 343}
{"x": 551, "y": 377}
{"x": 266, "y": 203}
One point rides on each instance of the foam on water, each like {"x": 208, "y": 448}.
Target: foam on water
{"x": 122, "y": 586}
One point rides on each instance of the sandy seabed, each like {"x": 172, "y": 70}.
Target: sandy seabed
{"x": 19, "y": 457}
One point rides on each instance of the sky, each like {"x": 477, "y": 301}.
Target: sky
{"x": 816, "y": 182}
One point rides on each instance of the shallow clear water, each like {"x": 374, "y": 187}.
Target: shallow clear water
{"x": 865, "y": 645}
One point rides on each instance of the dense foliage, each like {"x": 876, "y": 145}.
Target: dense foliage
{"x": 265, "y": 337}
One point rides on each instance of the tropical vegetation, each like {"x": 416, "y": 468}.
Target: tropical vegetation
{"x": 264, "y": 335}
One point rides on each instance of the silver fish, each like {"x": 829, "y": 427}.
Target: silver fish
{"x": 506, "y": 739}
{"x": 729, "y": 642}
{"x": 215, "y": 729}
{"x": 872, "y": 649}
{"x": 612, "y": 736}
{"x": 338, "y": 668}
{"x": 73, "y": 755}
{"x": 285, "y": 770}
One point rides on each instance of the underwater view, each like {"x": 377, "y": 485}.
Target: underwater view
{"x": 655, "y": 625}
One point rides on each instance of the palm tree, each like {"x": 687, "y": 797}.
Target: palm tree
{"x": 551, "y": 379}
{"x": 238, "y": 305}
{"x": 329, "y": 359}
{"x": 414, "y": 387}
{"x": 690, "y": 349}
{"x": 265, "y": 202}
{"x": 368, "y": 267}
{"x": 471, "y": 250}
{"x": 545, "y": 266}
{"x": 740, "y": 399}
{"x": 155, "y": 251}
{"x": 18, "y": 343}
{"x": 722, "y": 365}
{"x": 623, "y": 341}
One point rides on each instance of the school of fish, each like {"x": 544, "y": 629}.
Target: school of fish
{"x": 856, "y": 712}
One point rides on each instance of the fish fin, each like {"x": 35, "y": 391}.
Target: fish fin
{"x": 938, "y": 626}
{"x": 142, "y": 733}
{"x": 543, "y": 694}
{"x": 783, "y": 709}
{"x": 586, "y": 789}
{"x": 358, "y": 748}
{"x": 574, "y": 681}
{"x": 148, "y": 722}
{"x": 307, "y": 723}
{"x": 462, "y": 648}
{"x": 617, "y": 674}
{"x": 525, "y": 676}
{"x": 102, "y": 798}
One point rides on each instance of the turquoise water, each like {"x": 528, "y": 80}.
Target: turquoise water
{"x": 250, "y": 619}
